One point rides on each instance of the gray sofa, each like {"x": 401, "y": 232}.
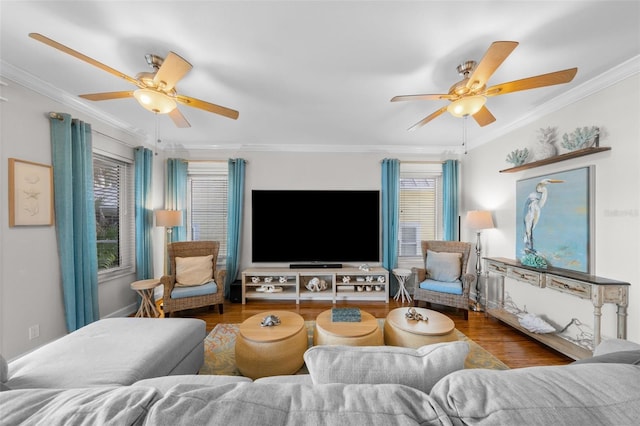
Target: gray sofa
{"x": 359, "y": 385}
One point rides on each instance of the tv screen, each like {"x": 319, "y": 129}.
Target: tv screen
{"x": 315, "y": 226}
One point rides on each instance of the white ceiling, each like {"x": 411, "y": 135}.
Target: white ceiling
{"x": 316, "y": 75}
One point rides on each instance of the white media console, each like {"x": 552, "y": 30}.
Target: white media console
{"x": 347, "y": 283}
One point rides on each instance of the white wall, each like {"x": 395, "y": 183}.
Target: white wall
{"x": 30, "y": 285}
{"x": 30, "y": 290}
{"x": 616, "y": 111}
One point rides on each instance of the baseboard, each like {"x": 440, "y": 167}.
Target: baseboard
{"x": 124, "y": 312}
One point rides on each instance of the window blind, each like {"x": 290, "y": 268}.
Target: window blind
{"x": 115, "y": 225}
{"x": 207, "y": 203}
{"x": 420, "y": 205}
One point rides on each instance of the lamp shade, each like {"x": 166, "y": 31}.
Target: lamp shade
{"x": 466, "y": 106}
{"x": 479, "y": 219}
{"x": 168, "y": 218}
{"x": 155, "y": 101}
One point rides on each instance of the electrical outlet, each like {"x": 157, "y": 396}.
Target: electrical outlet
{"x": 34, "y": 331}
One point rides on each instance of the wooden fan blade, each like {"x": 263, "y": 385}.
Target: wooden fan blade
{"x": 173, "y": 68}
{"x": 107, "y": 95}
{"x": 484, "y": 117}
{"x": 428, "y": 118}
{"x": 207, "y": 106}
{"x": 492, "y": 59}
{"x": 178, "y": 119}
{"x": 82, "y": 57}
{"x": 433, "y": 97}
{"x": 543, "y": 80}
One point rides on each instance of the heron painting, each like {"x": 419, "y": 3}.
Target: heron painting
{"x": 553, "y": 218}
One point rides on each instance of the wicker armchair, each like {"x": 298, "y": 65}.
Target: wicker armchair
{"x": 191, "y": 249}
{"x": 454, "y": 300}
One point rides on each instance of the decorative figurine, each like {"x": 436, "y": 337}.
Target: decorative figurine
{"x": 412, "y": 314}
{"x": 270, "y": 321}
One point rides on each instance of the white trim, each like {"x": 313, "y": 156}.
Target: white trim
{"x": 123, "y": 312}
{"x": 46, "y": 89}
{"x": 596, "y": 84}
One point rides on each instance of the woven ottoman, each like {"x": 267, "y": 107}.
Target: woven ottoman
{"x": 271, "y": 351}
{"x": 400, "y": 331}
{"x": 365, "y": 332}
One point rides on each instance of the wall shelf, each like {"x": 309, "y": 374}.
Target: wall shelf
{"x": 573, "y": 154}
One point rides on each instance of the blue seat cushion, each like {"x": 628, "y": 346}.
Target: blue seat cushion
{"x": 454, "y": 287}
{"x": 197, "y": 290}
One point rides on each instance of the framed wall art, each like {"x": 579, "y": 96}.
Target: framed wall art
{"x": 554, "y": 218}
{"x": 30, "y": 193}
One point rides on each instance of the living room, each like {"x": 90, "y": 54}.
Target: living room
{"x": 30, "y": 286}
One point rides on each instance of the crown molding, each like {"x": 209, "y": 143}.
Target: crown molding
{"x": 598, "y": 83}
{"x": 40, "y": 86}
{"x": 588, "y": 88}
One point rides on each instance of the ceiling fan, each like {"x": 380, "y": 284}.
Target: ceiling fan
{"x": 468, "y": 96}
{"x": 156, "y": 90}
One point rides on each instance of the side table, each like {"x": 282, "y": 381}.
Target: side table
{"x": 145, "y": 288}
{"x": 402, "y": 275}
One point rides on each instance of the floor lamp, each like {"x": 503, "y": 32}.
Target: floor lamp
{"x": 168, "y": 219}
{"x": 478, "y": 220}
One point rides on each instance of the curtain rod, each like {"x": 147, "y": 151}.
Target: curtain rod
{"x": 59, "y": 116}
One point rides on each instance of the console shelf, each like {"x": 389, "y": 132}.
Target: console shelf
{"x": 573, "y": 154}
{"x": 348, "y": 283}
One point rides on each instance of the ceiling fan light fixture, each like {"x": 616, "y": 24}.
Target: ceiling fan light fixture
{"x": 155, "y": 101}
{"x": 468, "y": 105}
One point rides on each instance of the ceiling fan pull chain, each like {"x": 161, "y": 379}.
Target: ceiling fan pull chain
{"x": 464, "y": 133}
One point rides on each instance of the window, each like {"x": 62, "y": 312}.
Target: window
{"x": 113, "y": 195}
{"x": 207, "y": 203}
{"x": 420, "y": 206}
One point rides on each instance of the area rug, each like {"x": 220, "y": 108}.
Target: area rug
{"x": 219, "y": 351}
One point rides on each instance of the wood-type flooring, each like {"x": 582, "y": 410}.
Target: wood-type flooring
{"x": 513, "y": 348}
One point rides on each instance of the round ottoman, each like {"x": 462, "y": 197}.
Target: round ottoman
{"x": 271, "y": 351}
{"x": 400, "y": 331}
{"x": 363, "y": 333}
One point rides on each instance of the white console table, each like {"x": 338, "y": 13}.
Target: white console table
{"x": 597, "y": 289}
{"x": 346, "y": 283}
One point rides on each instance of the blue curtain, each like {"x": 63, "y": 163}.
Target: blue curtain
{"x": 235, "y": 200}
{"x": 72, "y": 159}
{"x": 450, "y": 199}
{"x": 390, "y": 217}
{"x": 143, "y": 212}
{"x": 176, "y": 195}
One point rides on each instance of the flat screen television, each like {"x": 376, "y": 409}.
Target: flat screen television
{"x": 315, "y": 226}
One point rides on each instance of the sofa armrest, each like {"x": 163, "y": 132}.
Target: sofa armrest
{"x": 468, "y": 280}
{"x": 420, "y": 273}
{"x": 220, "y": 275}
{"x": 168, "y": 282}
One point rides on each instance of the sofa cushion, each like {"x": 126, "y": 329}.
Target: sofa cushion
{"x": 622, "y": 357}
{"x": 4, "y": 370}
{"x": 418, "y": 368}
{"x": 96, "y": 406}
{"x": 196, "y": 270}
{"x": 163, "y": 384}
{"x": 615, "y": 345}
{"x": 93, "y": 355}
{"x": 443, "y": 266}
{"x": 454, "y": 287}
{"x": 584, "y": 394}
{"x": 193, "y": 291}
{"x": 303, "y": 379}
{"x": 296, "y": 404}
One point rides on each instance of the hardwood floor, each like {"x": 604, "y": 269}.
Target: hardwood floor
{"x": 510, "y": 346}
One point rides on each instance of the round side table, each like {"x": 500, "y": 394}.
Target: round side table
{"x": 402, "y": 275}
{"x": 145, "y": 289}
